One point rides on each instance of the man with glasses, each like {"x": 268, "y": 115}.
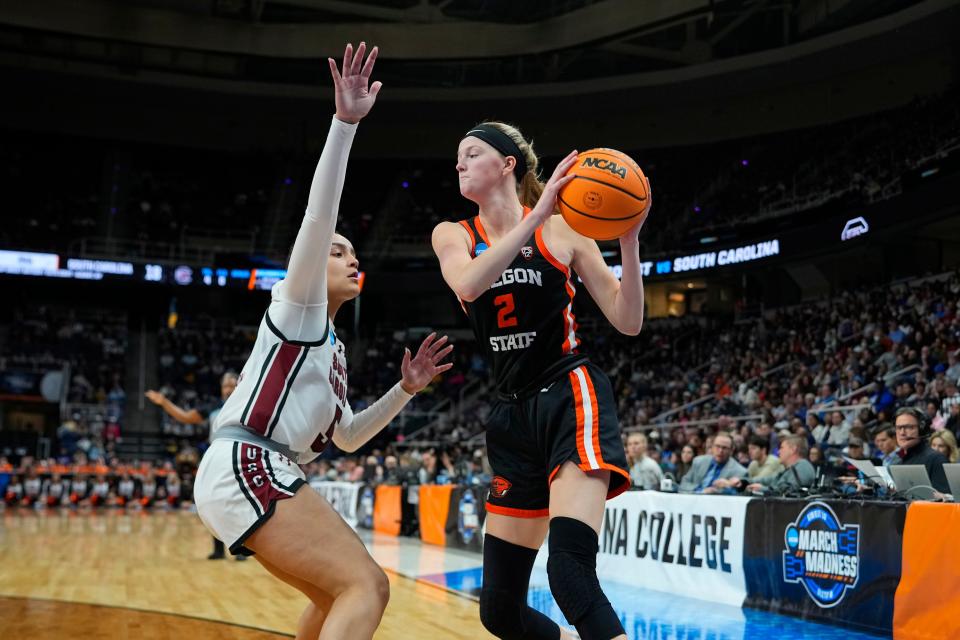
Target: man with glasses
{"x": 912, "y": 434}
{"x": 708, "y": 468}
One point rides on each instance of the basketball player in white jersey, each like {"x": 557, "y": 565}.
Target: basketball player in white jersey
{"x": 32, "y": 488}
{"x": 78, "y": 488}
{"x": 125, "y": 490}
{"x": 148, "y": 490}
{"x": 54, "y": 490}
{"x": 290, "y": 402}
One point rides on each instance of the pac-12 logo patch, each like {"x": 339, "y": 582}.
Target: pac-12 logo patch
{"x": 499, "y": 486}
{"x": 822, "y": 554}
{"x": 526, "y": 252}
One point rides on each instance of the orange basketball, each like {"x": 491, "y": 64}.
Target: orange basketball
{"x": 607, "y": 197}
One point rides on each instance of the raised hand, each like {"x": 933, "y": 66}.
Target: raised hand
{"x": 418, "y": 371}
{"x": 632, "y": 233}
{"x": 155, "y": 397}
{"x": 547, "y": 203}
{"x": 353, "y": 97}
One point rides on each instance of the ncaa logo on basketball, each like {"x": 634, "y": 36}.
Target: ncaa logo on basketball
{"x": 605, "y": 165}
{"x": 822, "y": 554}
{"x": 499, "y": 486}
{"x": 526, "y": 252}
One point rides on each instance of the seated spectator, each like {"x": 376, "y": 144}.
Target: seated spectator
{"x": 798, "y": 472}
{"x": 854, "y": 449}
{"x": 644, "y": 472}
{"x": 914, "y": 448}
{"x": 684, "y": 461}
{"x": 709, "y": 468}
{"x": 834, "y": 433}
{"x": 945, "y": 443}
{"x": 762, "y": 462}
{"x": 885, "y": 442}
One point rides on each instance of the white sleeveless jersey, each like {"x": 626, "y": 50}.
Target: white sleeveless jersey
{"x": 290, "y": 391}
{"x": 125, "y": 488}
{"x": 55, "y": 489}
{"x": 32, "y": 487}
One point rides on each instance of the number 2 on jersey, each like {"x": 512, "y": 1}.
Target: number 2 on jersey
{"x": 507, "y": 307}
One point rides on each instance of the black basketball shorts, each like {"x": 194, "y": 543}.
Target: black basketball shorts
{"x": 574, "y": 419}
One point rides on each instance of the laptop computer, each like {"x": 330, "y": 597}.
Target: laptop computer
{"x": 952, "y": 471}
{"x": 868, "y": 469}
{"x": 912, "y": 480}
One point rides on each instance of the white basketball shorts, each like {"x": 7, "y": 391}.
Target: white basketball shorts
{"x": 237, "y": 488}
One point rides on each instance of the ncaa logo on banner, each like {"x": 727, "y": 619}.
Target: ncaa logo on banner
{"x": 822, "y": 554}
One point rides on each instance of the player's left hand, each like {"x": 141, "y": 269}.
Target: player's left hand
{"x": 632, "y": 233}
{"x": 353, "y": 97}
{"x": 419, "y": 370}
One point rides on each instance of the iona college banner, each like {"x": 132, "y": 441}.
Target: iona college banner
{"x": 690, "y": 545}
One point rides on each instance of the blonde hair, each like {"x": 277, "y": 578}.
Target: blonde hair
{"x": 530, "y": 187}
{"x": 949, "y": 440}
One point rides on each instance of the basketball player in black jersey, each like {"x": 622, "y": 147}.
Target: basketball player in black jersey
{"x": 553, "y": 436}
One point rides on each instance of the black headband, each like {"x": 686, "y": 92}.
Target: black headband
{"x": 502, "y": 143}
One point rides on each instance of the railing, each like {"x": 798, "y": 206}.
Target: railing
{"x": 195, "y": 245}
{"x": 120, "y": 248}
{"x": 663, "y": 427}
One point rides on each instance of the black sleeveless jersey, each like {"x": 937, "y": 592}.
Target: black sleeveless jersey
{"x": 524, "y": 322}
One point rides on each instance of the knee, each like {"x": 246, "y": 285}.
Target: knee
{"x": 572, "y": 565}
{"x": 572, "y": 569}
{"x": 500, "y": 613}
{"x": 377, "y": 586}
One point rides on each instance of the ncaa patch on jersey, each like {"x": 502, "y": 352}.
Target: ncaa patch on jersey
{"x": 480, "y": 248}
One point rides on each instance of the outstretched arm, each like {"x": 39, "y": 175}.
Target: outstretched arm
{"x": 187, "y": 417}
{"x": 305, "y": 284}
{"x": 417, "y": 372}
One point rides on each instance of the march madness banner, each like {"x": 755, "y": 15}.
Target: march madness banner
{"x": 838, "y": 560}
{"x": 690, "y": 545}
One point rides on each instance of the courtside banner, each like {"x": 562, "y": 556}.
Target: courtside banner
{"x": 465, "y": 518}
{"x": 342, "y": 496}
{"x": 690, "y": 545}
{"x": 838, "y": 560}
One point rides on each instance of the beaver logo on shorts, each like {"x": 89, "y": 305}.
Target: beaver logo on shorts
{"x": 499, "y": 486}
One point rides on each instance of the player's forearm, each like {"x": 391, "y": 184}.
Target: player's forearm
{"x": 177, "y": 413}
{"x": 484, "y": 270}
{"x": 371, "y": 421}
{"x": 316, "y": 231}
{"x": 628, "y": 303}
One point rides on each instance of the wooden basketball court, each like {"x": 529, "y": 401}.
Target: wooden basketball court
{"x": 138, "y": 575}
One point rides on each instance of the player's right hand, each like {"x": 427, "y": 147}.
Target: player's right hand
{"x": 155, "y": 397}
{"x": 547, "y": 204}
{"x": 353, "y": 97}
